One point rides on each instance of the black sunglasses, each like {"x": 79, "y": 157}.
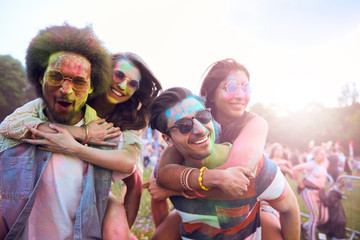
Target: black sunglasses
{"x": 120, "y": 77}
{"x": 186, "y": 125}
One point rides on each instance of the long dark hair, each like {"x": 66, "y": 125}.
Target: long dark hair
{"x": 134, "y": 113}
{"x": 213, "y": 76}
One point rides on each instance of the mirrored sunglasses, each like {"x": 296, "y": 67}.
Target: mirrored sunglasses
{"x": 233, "y": 87}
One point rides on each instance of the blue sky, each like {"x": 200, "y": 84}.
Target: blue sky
{"x": 297, "y": 51}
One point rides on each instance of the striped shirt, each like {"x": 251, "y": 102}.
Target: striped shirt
{"x": 236, "y": 218}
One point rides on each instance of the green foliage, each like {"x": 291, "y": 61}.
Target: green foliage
{"x": 314, "y": 123}
{"x": 14, "y": 88}
{"x": 144, "y": 226}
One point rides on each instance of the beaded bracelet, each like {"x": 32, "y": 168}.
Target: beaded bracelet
{"x": 182, "y": 175}
{"x": 200, "y": 178}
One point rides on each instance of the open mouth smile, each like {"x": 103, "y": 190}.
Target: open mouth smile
{"x": 237, "y": 104}
{"x": 202, "y": 140}
{"x": 117, "y": 93}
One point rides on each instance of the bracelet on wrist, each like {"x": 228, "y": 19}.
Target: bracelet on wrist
{"x": 86, "y": 128}
{"x": 199, "y": 194}
{"x": 184, "y": 178}
{"x": 200, "y": 179}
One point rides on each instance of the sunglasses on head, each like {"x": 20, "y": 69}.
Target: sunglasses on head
{"x": 56, "y": 78}
{"x": 186, "y": 125}
{"x": 233, "y": 87}
{"x": 120, "y": 76}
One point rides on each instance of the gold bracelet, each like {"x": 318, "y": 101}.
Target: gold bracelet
{"x": 201, "y": 178}
{"x": 86, "y": 134}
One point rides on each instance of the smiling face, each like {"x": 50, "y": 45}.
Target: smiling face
{"x": 198, "y": 143}
{"x": 124, "y": 75}
{"x": 64, "y": 104}
{"x": 231, "y": 105}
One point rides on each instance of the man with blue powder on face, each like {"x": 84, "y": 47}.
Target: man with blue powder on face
{"x": 185, "y": 123}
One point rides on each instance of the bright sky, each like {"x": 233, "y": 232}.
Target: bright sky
{"x": 297, "y": 51}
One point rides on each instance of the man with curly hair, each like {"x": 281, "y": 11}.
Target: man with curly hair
{"x": 47, "y": 195}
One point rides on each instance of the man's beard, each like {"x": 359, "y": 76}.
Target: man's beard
{"x": 60, "y": 119}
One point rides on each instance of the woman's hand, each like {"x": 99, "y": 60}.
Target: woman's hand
{"x": 99, "y": 132}
{"x": 60, "y": 142}
{"x": 158, "y": 192}
{"x": 236, "y": 181}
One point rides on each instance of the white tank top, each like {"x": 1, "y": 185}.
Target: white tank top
{"x": 58, "y": 198}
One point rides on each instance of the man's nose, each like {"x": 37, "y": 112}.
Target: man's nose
{"x": 199, "y": 128}
{"x": 66, "y": 86}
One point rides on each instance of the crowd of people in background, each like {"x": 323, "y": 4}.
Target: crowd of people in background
{"x": 337, "y": 162}
{"x": 312, "y": 170}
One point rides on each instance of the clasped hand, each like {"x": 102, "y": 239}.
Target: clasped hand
{"x": 62, "y": 141}
{"x": 236, "y": 181}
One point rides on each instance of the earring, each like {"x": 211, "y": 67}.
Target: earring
{"x": 139, "y": 106}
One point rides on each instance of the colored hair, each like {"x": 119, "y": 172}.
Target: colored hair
{"x": 135, "y": 112}
{"x": 166, "y": 100}
{"x": 69, "y": 39}
{"x": 214, "y": 75}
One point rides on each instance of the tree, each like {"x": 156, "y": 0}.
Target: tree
{"x": 13, "y": 86}
{"x": 348, "y": 96}
{"x": 314, "y": 122}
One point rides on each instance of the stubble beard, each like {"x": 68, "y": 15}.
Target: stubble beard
{"x": 53, "y": 117}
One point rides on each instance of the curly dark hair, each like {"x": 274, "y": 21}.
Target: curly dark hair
{"x": 70, "y": 39}
{"x": 166, "y": 100}
{"x": 135, "y": 112}
{"x": 214, "y": 75}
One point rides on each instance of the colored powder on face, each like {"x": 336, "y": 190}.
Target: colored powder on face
{"x": 68, "y": 61}
{"x": 130, "y": 70}
{"x": 186, "y": 108}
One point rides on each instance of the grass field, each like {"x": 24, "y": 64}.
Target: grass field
{"x": 144, "y": 227}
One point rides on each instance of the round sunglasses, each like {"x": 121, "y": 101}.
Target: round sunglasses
{"x": 186, "y": 125}
{"x": 233, "y": 87}
{"x": 120, "y": 76}
{"x": 56, "y": 78}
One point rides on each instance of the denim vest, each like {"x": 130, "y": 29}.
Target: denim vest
{"x": 21, "y": 170}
